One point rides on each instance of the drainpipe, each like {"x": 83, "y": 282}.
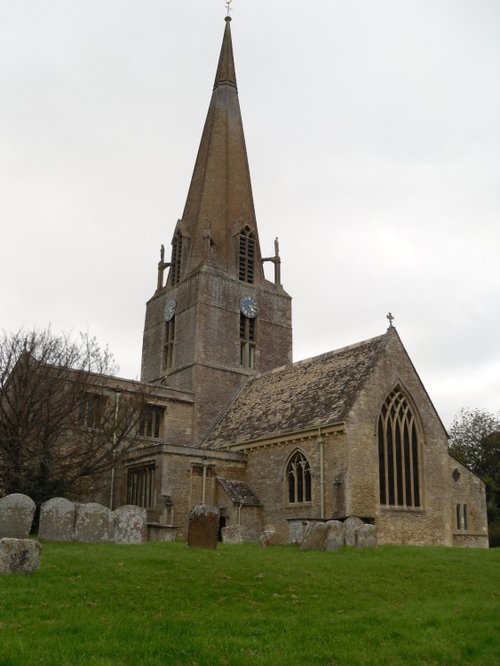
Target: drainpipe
{"x": 321, "y": 443}
{"x": 115, "y": 425}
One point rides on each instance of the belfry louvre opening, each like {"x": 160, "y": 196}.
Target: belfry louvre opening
{"x": 398, "y": 453}
{"x": 247, "y": 256}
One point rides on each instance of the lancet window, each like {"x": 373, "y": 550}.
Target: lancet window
{"x": 398, "y": 453}
{"x": 175, "y": 269}
{"x": 150, "y": 421}
{"x": 298, "y": 474}
{"x": 247, "y": 341}
{"x": 247, "y": 256}
{"x": 168, "y": 344}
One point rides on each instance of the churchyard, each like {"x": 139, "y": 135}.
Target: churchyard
{"x": 166, "y": 603}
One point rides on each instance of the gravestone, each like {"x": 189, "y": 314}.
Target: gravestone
{"x": 351, "y": 525}
{"x": 19, "y": 556}
{"x": 335, "y": 535}
{"x": 128, "y": 525}
{"x": 269, "y": 537}
{"x": 315, "y": 536}
{"x": 232, "y": 534}
{"x": 203, "y": 526}
{"x": 92, "y": 523}
{"x": 366, "y": 536}
{"x": 57, "y": 520}
{"x": 16, "y": 515}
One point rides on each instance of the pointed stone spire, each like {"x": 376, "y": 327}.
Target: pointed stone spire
{"x": 220, "y": 202}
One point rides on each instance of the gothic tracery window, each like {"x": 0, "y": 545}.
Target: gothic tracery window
{"x": 175, "y": 268}
{"x": 298, "y": 474}
{"x": 247, "y": 256}
{"x": 398, "y": 453}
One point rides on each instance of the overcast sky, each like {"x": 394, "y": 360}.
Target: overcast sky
{"x": 373, "y": 135}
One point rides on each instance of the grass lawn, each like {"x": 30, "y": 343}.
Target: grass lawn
{"x": 168, "y": 604}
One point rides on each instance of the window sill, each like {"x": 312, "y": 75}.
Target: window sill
{"x": 401, "y": 509}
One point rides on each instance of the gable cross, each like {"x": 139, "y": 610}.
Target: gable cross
{"x": 390, "y": 317}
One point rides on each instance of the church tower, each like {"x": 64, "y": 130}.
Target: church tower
{"x": 214, "y": 320}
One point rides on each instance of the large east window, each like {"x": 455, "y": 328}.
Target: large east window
{"x": 298, "y": 475}
{"x": 398, "y": 453}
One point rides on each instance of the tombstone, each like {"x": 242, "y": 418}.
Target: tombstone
{"x": 366, "y": 536}
{"x": 128, "y": 525}
{"x": 269, "y": 537}
{"x": 92, "y": 523}
{"x": 57, "y": 520}
{"x": 335, "y": 535}
{"x": 315, "y": 536}
{"x": 19, "y": 556}
{"x": 16, "y": 515}
{"x": 232, "y": 534}
{"x": 351, "y": 525}
{"x": 297, "y": 529}
{"x": 203, "y": 526}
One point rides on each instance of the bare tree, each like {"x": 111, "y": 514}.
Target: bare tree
{"x": 64, "y": 420}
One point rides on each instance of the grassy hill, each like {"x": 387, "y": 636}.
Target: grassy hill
{"x": 168, "y": 604}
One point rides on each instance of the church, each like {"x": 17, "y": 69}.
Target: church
{"x": 232, "y": 422}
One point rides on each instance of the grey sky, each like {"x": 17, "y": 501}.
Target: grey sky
{"x": 373, "y": 134}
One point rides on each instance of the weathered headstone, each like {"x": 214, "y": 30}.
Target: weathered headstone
{"x": 203, "y": 526}
{"x": 16, "y": 515}
{"x": 128, "y": 525}
{"x": 296, "y": 530}
{"x": 335, "y": 535}
{"x": 366, "y": 536}
{"x": 232, "y": 534}
{"x": 269, "y": 537}
{"x": 92, "y": 523}
{"x": 351, "y": 524}
{"x": 57, "y": 520}
{"x": 19, "y": 556}
{"x": 315, "y": 536}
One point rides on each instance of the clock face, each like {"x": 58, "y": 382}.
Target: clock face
{"x": 170, "y": 309}
{"x": 248, "y": 305}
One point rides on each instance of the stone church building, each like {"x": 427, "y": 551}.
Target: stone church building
{"x": 233, "y": 422}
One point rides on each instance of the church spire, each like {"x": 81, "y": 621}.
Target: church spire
{"x": 219, "y": 204}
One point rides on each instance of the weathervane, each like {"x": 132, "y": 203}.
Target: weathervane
{"x": 390, "y": 317}
{"x": 228, "y": 6}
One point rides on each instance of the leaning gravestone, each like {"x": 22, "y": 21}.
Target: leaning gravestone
{"x": 92, "y": 523}
{"x": 351, "y": 525}
{"x": 19, "y": 556}
{"x": 128, "y": 525}
{"x": 16, "y": 516}
{"x": 203, "y": 526}
{"x": 335, "y": 535}
{"x": 366, "y": 536}
{"x": 315, "y": 536}
{"x": 57, "y": 520}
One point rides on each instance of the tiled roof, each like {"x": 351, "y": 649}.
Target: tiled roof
{"x": 315, "y": 392}
{"x": 239, "y": 493}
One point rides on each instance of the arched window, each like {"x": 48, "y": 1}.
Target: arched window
{"x": 247, "y": 256}
{"x": 175, "y": 269}
{"x": 398, "y": 453}
{"x": 298, "y": 474}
